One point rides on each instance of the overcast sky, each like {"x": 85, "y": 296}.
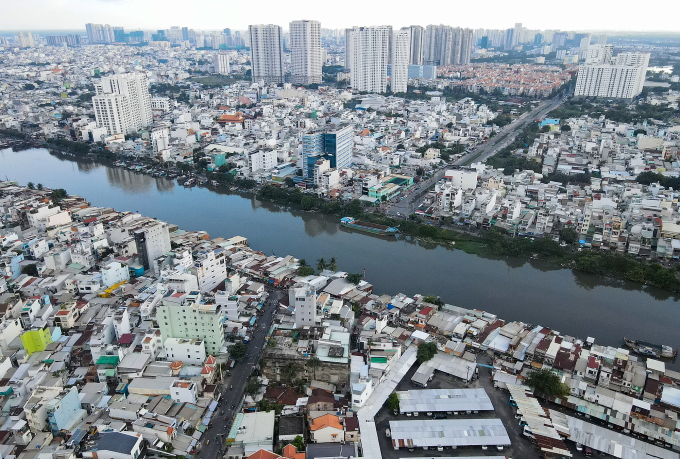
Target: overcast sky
{"x": 237, "y": 14}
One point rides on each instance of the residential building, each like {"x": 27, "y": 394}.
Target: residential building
{"x": 369, "y": 49}
{"x": 123, "y": 103}
{"x": 305, "y": 52}
{"x": 114, "y": 445}
{"x": 416, "y": 46}
{"x": 184, "y": 392}
{"x": 303, "y": 301}
{"x": 181, "y": 318}
{"x": 607, "y": 76}
{"x": 254, "y": 431}
{"x": 400, "y": 60}
{"x": 221, "y": 63}
{"x": 36, "y": 339}
{"x": 210, "y": 269}
{"x": 188, "y": 351}
{"x": 326, "y": 429}
{"x": 115, "y": 273}
{"x": 266, "y": 53}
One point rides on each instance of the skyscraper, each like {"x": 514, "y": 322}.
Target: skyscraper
{"x": 369, "y": 50}
{"x": 400, "y": 60}
{"x": 266, "y": 53}
{"x": 221, "y": 63}
{"x": 305, "y": 52}
{"x": 416, "y": 48}
{"x": 123, "y": 103}
{"x": 99, "y": 33}
{"x": 603, "y": 75}
{"x": 185, "y": 33}
{"x": 349, "y": 33}
{"x": 334, "y": 143}
{"x": 445, "y": 45}
{"x": 24, "y": 40}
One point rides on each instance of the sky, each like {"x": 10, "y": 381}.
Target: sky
{"x": 238, "y": 14}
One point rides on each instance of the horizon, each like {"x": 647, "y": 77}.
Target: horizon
{"x": 238, "y": 14}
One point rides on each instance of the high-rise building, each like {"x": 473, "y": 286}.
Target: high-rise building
{"x": 369, "y": 49}
{"x": 416, "y": 48}
{"x": 24, "y": 40}
{"x": 607, "y": 76}
{"x": 185, "y": 33}
{"x": 123, "y": 103}
{"x": 119, "y": 34}
{"x": 63, "y": 40}
{"x": 99, "y": 33}
{"x": 266, "y": 53}
{"x": 305, "y": 52}
{"x": 303, "y": 300}
{"x": 221, "y": 63}
{"x": 349, "y": 33}
{"x": 400, "y": 60}
{"x": 334, "y": 143}
{"x": 444, "y": 45}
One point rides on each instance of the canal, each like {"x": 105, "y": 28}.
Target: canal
{"x": 532, "y": 291}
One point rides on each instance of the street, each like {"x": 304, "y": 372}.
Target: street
{"x": 406, "y": 207}
{"x": 233, "y": 387}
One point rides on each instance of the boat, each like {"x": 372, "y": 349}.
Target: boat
{"x": 373, "y": 228}
{"x": 650, "y": 350}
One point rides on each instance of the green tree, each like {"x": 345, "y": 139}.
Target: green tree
{"x": 426, "y": 351}
{"x": 40, "y": 186}
{"x": 30, "y": 186}
{"x": 333, "y": 264}
{"x": 290, "y": 371}
{"x": 636, "y": 274}
{"x": 307, "y": 203}
{"x": 565, "y": 128}
{"x": 321, "y": 264}
{"x": 30, "y": 270}
{"x": 569, "y": 235}
{"x": 305, "y": 271}
{"x": 313, "y": 363}
{"x": 392, "y": 402}
{"x": 289, "y": 182}
{"x": 58, "y": 194}
{"x": 547, "y": 384}
{"x": 252, "y": 387}
{"x": 354, "y": 278}
{"x": 237, "y": 351}
{"x": 299, "y": 443}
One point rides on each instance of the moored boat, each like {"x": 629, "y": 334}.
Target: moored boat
{"x": 649, "y": 349}
{"x": 373, "y": 228}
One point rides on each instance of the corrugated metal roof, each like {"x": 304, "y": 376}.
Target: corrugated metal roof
{"x": 433, "y": 400}
{"x": 450, "y": 432}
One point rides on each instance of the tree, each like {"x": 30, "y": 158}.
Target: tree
{"x": 305, "y": 271}
{"x": 30, "y": 186}
{"x": 302, "y": 262}
{"x": 30, "y": 270}
{"x": 354, "y": 278}
{"x": 332, "y": 264}
{"x": 321, "y": 264}
{"x": 307, "y": 203}
{"x": 58, "y": 194}
{"x": 565, "y": 128}
{"x": 569, "y": 235}
{"x": 426, "y": 351}
{"x": 313, "y": 363}
{"x": 252, "y": 387}
{"x": 433, "y": 300}
{"x": 289, "y": 182}
{"x": 383, "y": 198}
{"x": 29, "y": 86}
{"x": 40, "y": 186}
{"x": 392, "y": 402}
{"x": 299, "y": 443}
{"x": 238, "y": 351}
{"x": 290, "y": 371}
{"x": 547, "y": 384}
{"x": 639, "y": 131}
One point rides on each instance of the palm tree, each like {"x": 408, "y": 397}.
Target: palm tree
{"x": 302, "y": 262}
{"x": 321, "y": 264}
{"x": 313, "y": 363}
{"x": 30, "y": 186}
{"x": 332, "y": 264}
{"x": 290, "y": 371}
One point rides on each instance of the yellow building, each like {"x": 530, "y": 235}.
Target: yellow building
{"x": 36, "y": 340}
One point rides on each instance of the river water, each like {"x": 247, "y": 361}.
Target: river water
{"x": 532, "y": 291}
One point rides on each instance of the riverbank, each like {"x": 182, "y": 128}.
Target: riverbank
{"x": 493, "y": 242}
{"x": 489, "y": 244}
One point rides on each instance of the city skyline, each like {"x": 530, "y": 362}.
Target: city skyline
{"x": 238, "y": 14}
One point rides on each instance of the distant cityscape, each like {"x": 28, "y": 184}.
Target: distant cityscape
{"x": 124, "y": 336}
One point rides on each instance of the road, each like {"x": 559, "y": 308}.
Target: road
{"x": 233, "y": 387}
{"x": 413, "y": 199}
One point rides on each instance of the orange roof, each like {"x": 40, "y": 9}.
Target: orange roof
{"x": 210, "y": 360}
{"x": 263, "y": 454}
{"x": 327, "y": 420}
{"x": 291, "y": 452}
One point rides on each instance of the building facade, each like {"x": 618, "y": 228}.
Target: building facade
{"x": 334, "y": 143}
{"x": 400, "y": 60}
{"x": 607, "y": 76}
{"x": 181, "y": 318}
{"x": 305, "y": 52}
{"x": 123, "y": 103}
{"x": 266, "y": 53}
{"x": 369, "y": 50}
{"x": 221, "y": 63}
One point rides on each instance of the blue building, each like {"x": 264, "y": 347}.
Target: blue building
{"x": 64, "y": 412}
{"x": 415, "y": 71}
{"x": 334, "y": 143}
